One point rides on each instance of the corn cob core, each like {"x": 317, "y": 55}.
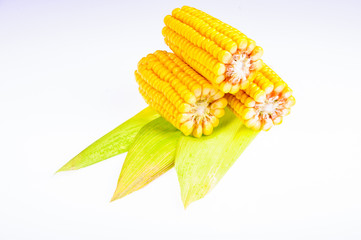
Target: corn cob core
{"x": 180, "y": 94}
{"x": 221, "y": 53}
{"x": 264, "y": 103}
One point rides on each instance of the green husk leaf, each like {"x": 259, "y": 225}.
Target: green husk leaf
{"x": 151, "y": 155}
{"x": 113, "y": 143}
{"x": 201, "y": 163}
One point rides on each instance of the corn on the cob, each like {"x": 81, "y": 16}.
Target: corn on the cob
{"x": 180, "y": 94}
{"x": 264, "y": 103}
{"x": 221, "y": 53}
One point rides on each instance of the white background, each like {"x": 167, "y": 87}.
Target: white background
{"x": 66, "y": 78}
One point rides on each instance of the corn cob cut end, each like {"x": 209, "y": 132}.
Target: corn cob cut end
{"x": 180, "y": 94}
{"x": 221, "y": 53}
{"x": 265, "y": 103}
{"x": 241, "y": 70}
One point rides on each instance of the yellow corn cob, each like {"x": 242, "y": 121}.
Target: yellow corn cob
{"x": 221, "y": 53}
{"x": 180, "y": 94}
{"x": 264, "y": 103}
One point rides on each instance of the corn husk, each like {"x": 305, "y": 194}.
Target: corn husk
{"x": 113, "y": 143}
{"x": 201, "y": 163}
{"x": 151, "y": 155}
{"x": 154, "y": 146}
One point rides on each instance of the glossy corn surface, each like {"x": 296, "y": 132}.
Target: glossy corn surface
{"x": 180, "y": 94}
{"x": 263, "y": 103}
{"x": 222, "y": 54}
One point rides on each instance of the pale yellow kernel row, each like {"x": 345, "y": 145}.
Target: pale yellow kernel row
{"x": 205, "y": 30}
{"x": 242, "y": 41}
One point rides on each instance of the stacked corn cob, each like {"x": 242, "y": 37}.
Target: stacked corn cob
{"x": 221, "y": 53}
{"x": 264, "y": 103}
{"x": 224, "y": 56}
{"x": 180, "y": 94}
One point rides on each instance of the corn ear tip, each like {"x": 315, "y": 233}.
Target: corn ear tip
{"x": 118, "y": 195}
{"x": 186, "y": 202}
{"x": 59, "y": 170}
{"x": 113, "y": 199}
{"x": 66, "y": 168}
